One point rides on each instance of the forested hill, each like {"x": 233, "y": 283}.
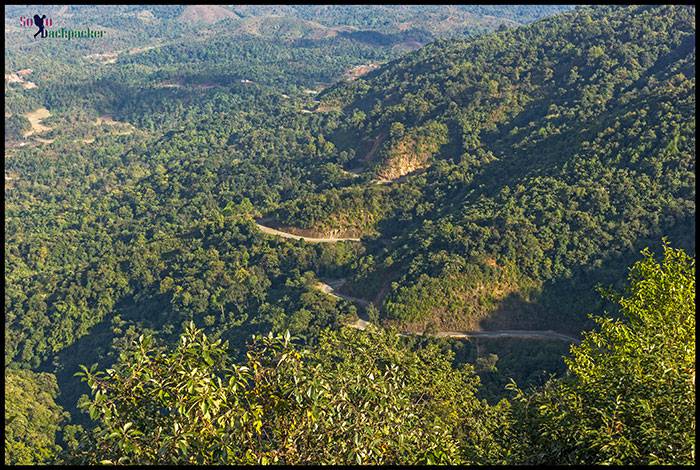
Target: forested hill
{"x": 537, "y": 159}
{"x": 164, "y": 190}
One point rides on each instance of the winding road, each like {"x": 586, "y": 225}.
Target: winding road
{"x": 331, "y": 287}
{"x": 279, "y": 233}
{"x": 360, "y": 324}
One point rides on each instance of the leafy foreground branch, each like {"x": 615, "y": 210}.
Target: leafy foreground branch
{"x": 630, "y": 395}
{"x": 359, "y": 397}
{"x": 364, "y": 397}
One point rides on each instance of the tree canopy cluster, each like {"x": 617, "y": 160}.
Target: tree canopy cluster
{"x": 495, "y": 181}
{"x": 571, "y": 146}
{"x": 364, "y": 397}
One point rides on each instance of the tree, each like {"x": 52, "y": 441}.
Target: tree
{"x": 359, "y": 397}
{"x": 32, "y": 417}
{"x": 630, "y": 395}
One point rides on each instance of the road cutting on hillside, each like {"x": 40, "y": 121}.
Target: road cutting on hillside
{"x": 360, "y": 324}
{"x": 279, "y": 233}
{"x": 331, "y": 287}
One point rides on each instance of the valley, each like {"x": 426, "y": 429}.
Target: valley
{"x": 351, "y": 235}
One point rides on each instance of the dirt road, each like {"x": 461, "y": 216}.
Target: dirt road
{"x": 330, "y": 289}
{"x": 360, "y": 324}
{"x": 524, "y": 334}
{"x": 279, "y": 233}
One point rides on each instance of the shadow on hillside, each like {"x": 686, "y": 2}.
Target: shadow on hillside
{"x": 96, "y": 347}
{"x": 89, "y": 349}
{"x": 549, "y": 311}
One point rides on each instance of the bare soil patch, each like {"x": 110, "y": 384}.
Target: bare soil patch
{"x": 35, "y": 117}
{"x": 356, "y": 72}
{"x": 121, "y": 128}
{"x": 206, "y": 13}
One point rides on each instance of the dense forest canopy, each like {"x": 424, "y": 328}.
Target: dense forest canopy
{"x": 366, "y": 398}
{"x": 570, "y": 146}
{"x": 485, "y": 168}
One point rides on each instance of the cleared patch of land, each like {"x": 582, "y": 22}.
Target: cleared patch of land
{"x": 111, "y": 57}
{"x": 356, "y": 72}
{"x": 35, "y": 117}
{"x": 206, "y": 14}
{"x": 18, "y": 77}
{"x": 106, "y": 58}
{"x": 121, "y": 128}
{"x": 147, "y": 17}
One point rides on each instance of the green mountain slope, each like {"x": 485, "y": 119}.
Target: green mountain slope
{"x": 570, "y": 142}
{"x": 495, "y": 182}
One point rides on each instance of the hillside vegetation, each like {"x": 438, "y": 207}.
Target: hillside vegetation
{"x": 570, "y": 144}
{"x": 367, "y": 398}
{"x": 500, "y": 176}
